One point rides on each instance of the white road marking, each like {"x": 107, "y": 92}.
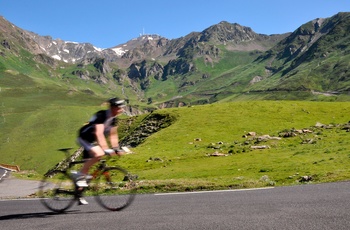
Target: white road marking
{"x": 3, "y": 174}
{"x": 198, "y": 192}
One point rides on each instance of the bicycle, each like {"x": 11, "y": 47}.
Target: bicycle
{"x": 112, "y": 186}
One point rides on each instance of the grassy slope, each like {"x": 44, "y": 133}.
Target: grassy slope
{"x": 185, "y": 164}
{"x": 33, "y": 114}
{"x": 35, "y": 123}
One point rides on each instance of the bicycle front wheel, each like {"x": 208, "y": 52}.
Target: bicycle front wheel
{"x": 114, "y": 189}
{"x": 57, "y": 191}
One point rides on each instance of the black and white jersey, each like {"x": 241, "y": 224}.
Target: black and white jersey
{"x": 87, "y": 132}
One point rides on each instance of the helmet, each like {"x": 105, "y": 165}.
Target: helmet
{"x": 116, "y": 102}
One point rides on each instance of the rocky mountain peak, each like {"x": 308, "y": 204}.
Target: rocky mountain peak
{"x": 228, "y": 32}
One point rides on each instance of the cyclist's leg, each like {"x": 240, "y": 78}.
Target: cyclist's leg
{"x": 96, "y": 152}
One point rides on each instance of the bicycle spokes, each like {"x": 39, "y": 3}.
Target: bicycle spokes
{"x": 112, "y": 191}
{"x": 57, "y": 191}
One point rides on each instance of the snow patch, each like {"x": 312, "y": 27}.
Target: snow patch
{"x": 71, "y": 42}
{"x": 98, "y": 49}
{"x": 56, "y": 57}
{"x": 119, "y": 51}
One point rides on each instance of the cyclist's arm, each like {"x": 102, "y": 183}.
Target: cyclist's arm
{"x": 101, "y": 139}
{"x": 114, "y": 139}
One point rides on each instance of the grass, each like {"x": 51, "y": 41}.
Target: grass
{"x": 177, "y": 158}
{"x": 38, "y": 117}
{"x": 173, "y": 160}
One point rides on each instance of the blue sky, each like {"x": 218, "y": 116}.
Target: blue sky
{"x": 107, "y": 23}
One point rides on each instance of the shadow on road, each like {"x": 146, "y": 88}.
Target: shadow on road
{"x": 29, "y": 215}
{"x": 43, "y": 214}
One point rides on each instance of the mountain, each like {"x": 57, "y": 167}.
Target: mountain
{"x": 224, "y": 62}
{"x": 315, "y": 57}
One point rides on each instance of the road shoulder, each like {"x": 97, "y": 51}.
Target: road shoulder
{"x": 13, "y": 188}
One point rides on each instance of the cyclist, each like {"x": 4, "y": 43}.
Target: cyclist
{"x": 93, "y": 138}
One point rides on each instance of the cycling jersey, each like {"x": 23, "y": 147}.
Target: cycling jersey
{"x": 87, "y": 132}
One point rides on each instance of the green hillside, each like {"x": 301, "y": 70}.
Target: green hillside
{"x": 178, "y": 157}
{"x": 220, "y": 127}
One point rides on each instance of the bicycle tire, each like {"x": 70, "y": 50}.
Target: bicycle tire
{"x": 114, "y": 188}
{"x": 57, "y": 191}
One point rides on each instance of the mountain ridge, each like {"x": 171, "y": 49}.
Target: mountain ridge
{"x": 193, "y": 65}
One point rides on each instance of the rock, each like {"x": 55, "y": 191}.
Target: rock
{"x": 260, "y": 147}
{"x": 305, "y": 179}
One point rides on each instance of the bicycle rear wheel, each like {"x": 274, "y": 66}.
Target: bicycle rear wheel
{"x": 57, "y": 191}
{"x": 114, "y": 189}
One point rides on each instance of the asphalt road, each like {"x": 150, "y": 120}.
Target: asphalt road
{"x": 11, "y": 187}
{"x": 311, "y": 207}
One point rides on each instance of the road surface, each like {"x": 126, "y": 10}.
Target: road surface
{"x": 311, "y": 207}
